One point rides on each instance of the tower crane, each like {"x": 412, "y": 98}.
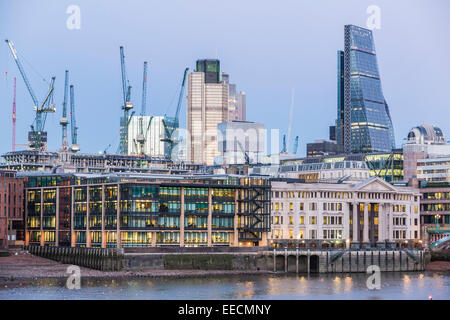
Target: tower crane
{"x": 295, "y": 145}
{"x": 284, "y": 149}
{"x": 173, "y": 123}
{"x": 141, "y": 138}
{"x": 37, "y": 136}
{"x": 73, "y": 126}
{"x": 126, "y": 107}
{"x": 64, "y": 120}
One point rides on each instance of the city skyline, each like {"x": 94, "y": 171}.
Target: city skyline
{"x": 95, "y": 66}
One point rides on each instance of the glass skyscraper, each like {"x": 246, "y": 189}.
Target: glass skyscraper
{"x": 363, "y": 123}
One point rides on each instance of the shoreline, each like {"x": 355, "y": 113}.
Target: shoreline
{"x": 438, "y": 266}
{"x": 27, "y": 268}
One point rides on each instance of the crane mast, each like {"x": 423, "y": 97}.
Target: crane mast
{"x": 64, "y": 120}
{"x": 14, "y": 118}
{"x": 141, "y": 138}
{"x": 73, "y": 125}
{"x": 127, "y": 106}
{"x": 173, "y": 125}
{"x": 295, "y": 145}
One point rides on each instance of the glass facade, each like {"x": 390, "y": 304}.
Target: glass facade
{"x": 364, "y": 123}
{"x": 193, "y": 211}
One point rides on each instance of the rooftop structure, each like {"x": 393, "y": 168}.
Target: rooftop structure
{"x": 32, "y": 160}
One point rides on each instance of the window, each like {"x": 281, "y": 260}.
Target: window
{"x": 312, "y": 220}
{"x": 302, "y": 219}
{"x": 291, "y": 220}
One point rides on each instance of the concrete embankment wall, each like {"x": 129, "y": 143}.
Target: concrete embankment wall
{"x": 198, "y": 261}
{"x": 100, "y": 259}
{"x": 289, "y": 261}
{"x": 440, "y": 255}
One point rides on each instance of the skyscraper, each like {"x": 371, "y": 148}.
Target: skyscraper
{"x": 236, "y": 101}
{"x": 207, "y": 106}
{"x": 363, "y": 122}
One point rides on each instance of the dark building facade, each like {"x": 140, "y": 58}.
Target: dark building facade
{"x": 211, "y": 68}
{"x": 363, "y": 123}
{"x": 322, "y": 148}
{"x": 11, "y": 208}
{"x": 435, "y": 210}
{"x": 138, "y": 210}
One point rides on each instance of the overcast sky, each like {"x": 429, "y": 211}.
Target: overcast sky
{"x": 267, "y": 47}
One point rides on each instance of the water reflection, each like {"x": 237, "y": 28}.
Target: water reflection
{"x": 272, "y": 286}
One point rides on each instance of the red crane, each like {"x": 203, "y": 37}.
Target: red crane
{"x": 14, "y": 118}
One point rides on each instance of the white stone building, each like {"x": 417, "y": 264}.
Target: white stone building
{"x": 327, "y": 211}
{"x": 326, "y": 171}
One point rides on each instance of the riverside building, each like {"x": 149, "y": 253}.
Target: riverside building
{"x": 11, "y": 209}
{"x": 146, "y": 210}
{"x": 370, "y": 213}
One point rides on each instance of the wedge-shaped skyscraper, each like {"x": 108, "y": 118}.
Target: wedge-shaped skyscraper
{"x": 363, "y": 123}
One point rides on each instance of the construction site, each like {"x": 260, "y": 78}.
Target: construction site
{"x": 147, "y": 143}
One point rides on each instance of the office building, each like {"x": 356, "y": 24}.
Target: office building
{"x": 240, "y": 142}
{"x": 236, "y": 101}
{"x": 369, "y": 213}
{"x": 363, "y": 122}
{"x": 323, "y": 148}
{"x": 386, "y": 165}
{"x": 146, "y": 210}
{"x": 331, "y": 172}
{"x": 423, "y": 142}
{"x": 207, "y": 106}
{"x": 153, "y": 134}
{"x": 435, "y": 203}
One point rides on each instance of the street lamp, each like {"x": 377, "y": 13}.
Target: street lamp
{"x": 437, "y": 216}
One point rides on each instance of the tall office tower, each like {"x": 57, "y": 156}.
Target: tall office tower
{"x": 236, "y": 101}
{"x": 207, "y": 106}
{"x": 363, "y": 123}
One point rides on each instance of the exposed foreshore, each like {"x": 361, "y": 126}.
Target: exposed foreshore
{"x": 439, "y": 266}
{"x": 25, "y": 267}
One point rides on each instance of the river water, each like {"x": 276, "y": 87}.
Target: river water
{"x": 405, "y": 285}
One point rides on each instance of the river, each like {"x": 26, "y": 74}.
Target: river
{"x": 417, "y": 285}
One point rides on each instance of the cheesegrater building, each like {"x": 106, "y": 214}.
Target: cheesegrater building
{"x": 117, "y": 210}
{"x": 363, "y": 123}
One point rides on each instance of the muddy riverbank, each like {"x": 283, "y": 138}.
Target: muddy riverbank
{"x": 24, "y": 267}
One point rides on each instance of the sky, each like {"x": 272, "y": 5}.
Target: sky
{"x": 267, "y": 48}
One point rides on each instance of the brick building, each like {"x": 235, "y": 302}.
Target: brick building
{"x": 11, "y": 208}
